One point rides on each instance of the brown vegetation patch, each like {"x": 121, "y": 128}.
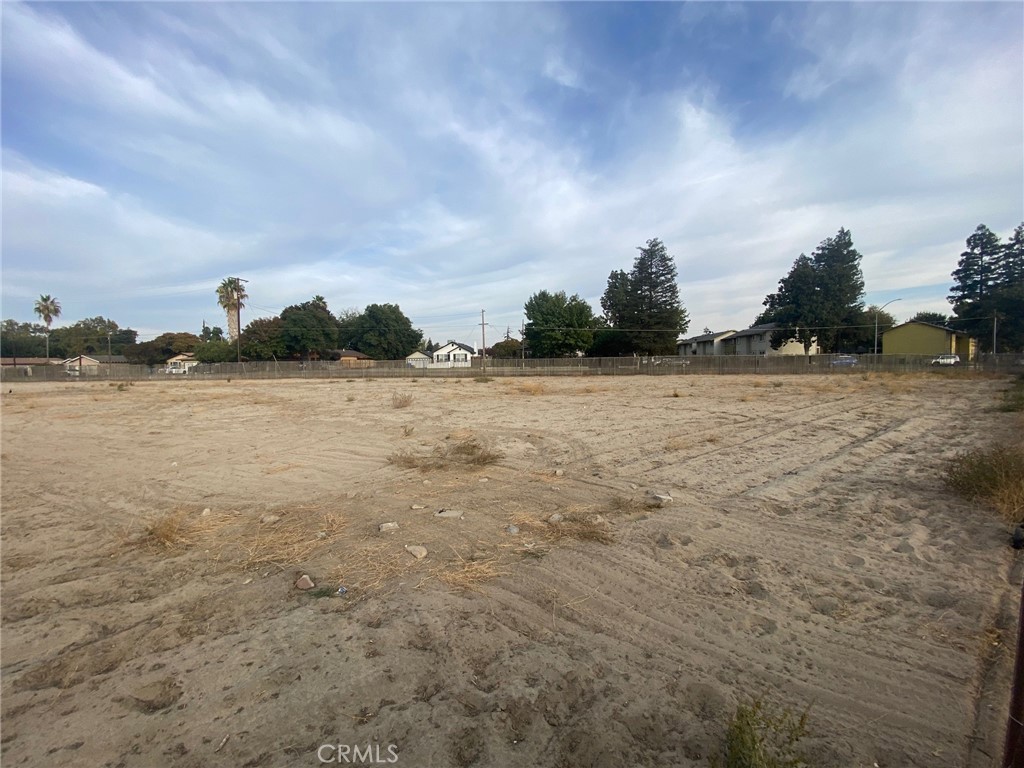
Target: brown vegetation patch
{"x": 462, "y": 453}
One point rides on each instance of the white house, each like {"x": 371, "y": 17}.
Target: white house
{"x": 181, "y": 363}
{"x": 418, "y": 359}
{"x": 453, "y": 355}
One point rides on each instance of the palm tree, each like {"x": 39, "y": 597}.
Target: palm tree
{"x": 231, "y": 296}
{"x": 48, "y": 309}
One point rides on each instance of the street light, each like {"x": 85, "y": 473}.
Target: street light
{"x": 876, "y": 320}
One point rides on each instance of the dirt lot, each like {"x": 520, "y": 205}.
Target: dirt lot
{"x": 810, "y": 555}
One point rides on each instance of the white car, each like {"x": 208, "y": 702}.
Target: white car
{"x": 946, "y": 360}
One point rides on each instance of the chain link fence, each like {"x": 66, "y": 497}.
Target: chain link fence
{"x": 584, "y": 366}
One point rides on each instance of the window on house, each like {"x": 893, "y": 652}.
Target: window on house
{"x": 461, "y": 358}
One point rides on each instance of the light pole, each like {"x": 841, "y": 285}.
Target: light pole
{"x": 876, "y": 320}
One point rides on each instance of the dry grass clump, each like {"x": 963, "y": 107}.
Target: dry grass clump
{"x": 575, "y": 524}
{"x": 469, "y": 452}
{"x": 401, "y": 400}
{"x": 468, "y": 574}
{"x": 994, "y": 475}
{"x": 371, "y": 565}
{"x": 169, "y": 531}
{"x": 531, "y": 387}
{"x": 176, "y": 531}
{"x": 289, "y": 541}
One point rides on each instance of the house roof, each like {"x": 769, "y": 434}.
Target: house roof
{"x": 28, "y": 360}
{"x": 96, "y": 359}
{"x": 929, "y": 325}
{"x": 418, "y": 352}
{"x": 184, "y": 356}
{"x": 755, "y": 330}
{"x": 706, "y": 337}
{"x": 340, "y": 353}
{"x": 457, "y": 345}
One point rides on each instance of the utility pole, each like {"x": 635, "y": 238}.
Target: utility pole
{"x": 483, "y": 343}
{"x": 109, "y": 356}
{"x": 876, "y": 321}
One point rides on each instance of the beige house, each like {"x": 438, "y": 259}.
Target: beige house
{"x": 181, "y": 363}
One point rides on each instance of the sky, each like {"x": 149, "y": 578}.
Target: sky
{"x": 458, "y": 157}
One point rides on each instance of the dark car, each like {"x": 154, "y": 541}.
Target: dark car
{"x": 843, "y": 361}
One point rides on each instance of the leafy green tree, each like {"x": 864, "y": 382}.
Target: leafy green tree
{"x": 163, "y": 347}
{"x": 935, "y": 318}
{"x": 231, "y": 297}
{"x": 91, "y": 337}
{"x": 507, "y": 349}
{"x": 262, "y": 339}
{"x": 21, "y": 339}
{"x": 645, "y": 305}
{"x": 216, "y": 351}
{"x": 796, "y": 306}
{"x": 383, "y": 332}
{"x": 48, "y": 309}
{"x": 820, "y": 299}
{"x": 308, "y": 328}
{"x": 558, "y": 325}
{"x": 348, "y": 327}
{"x": 215, "y": 333}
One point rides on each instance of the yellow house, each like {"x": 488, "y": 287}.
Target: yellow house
{"x": 917, "y": 338}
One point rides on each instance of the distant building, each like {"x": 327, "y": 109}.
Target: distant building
{"x": 454, "y": 354}
{"x": 752, "y": 341}
{"x": 707, "y": 344}
{"x": 917, "y": 338}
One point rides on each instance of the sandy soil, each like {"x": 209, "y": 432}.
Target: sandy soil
{"x": 810, "y": 556}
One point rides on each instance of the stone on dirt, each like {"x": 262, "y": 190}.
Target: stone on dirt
{"x": 416, "y": 551}
{"x": 304, "y": 582}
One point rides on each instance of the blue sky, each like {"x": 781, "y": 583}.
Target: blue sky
{"x": 457, "y": 157}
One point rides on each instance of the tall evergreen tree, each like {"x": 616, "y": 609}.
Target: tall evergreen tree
{"x": 974, "y": 273}
{"x": 973, "y": 296}
{"x": 841, "y": 288}
{"x": 1009, "y": 271}
{"x": 821, "y": 294}
{"x": 644, "y": 305}
{"x": 795, "y": 306}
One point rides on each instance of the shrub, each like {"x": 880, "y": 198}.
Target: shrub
{"x": 994, "y": 475}
{"x": 401, "y": 400}
{"x": 1013, "y": 398}
{"x": 758, "y": 738}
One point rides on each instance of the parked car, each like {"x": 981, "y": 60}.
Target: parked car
{"x": 843, "y": 361}
{"x": 946, "y": 360}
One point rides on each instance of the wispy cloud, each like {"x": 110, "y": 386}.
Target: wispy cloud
{"x": 457, "y": 157}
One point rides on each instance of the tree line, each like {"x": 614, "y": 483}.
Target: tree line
{"x": 819, "y": 301}
{"x": 642, "y": 314}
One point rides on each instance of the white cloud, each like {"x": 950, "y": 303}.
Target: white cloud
{"x": 373, "y": 157}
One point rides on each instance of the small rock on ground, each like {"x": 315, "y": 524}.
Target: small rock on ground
{"x": 304, "y": 582}
{"x": 416, "y": 551}
{"x": 269, "y": 519}
{"x": 387, "y": 527}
